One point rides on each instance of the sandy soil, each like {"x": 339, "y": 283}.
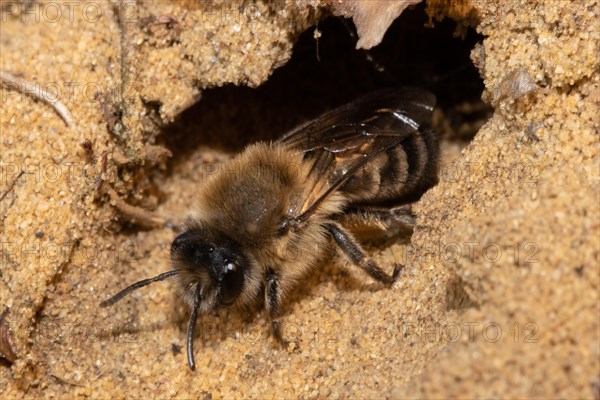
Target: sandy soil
{"x": 500, "y": 294}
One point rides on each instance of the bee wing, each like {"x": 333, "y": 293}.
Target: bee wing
{"x": 345, "y": 139}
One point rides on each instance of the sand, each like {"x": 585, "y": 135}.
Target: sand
{"x": 499, "y": 297}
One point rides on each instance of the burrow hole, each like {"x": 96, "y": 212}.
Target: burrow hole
{"x": 329, "y": 72}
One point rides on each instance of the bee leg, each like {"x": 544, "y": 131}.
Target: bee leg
{"x": 379, "y": 218}
{"x": 272, "y": 303}
{"x": 357, "y": 255}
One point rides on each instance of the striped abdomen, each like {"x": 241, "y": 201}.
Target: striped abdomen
{"x": 398, "y": 176}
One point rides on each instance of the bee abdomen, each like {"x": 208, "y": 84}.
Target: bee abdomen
{"x": 399, "y": 176}
{"x": 419, "y": 154}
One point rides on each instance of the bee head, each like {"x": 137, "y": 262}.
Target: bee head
{"x": 210, "y": 269}
{"x": 213, "y": 261}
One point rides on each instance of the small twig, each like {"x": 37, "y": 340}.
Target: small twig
{"x": 28, "y": 88}
{"x": 65, "y": 381}
{"x": 135, "y": 214}
{"x": 316, "y": 36}
{"x": 11, "y": 185}
{"x": 100, "y": 179}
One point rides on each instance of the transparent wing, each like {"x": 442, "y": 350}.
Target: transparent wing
{"x": 342, "y": 141}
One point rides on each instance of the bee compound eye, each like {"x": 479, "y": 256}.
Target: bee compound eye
{"x": 230, "y": 267}
{"x": 178, "y": 243}
{"x": 232, "y": 283}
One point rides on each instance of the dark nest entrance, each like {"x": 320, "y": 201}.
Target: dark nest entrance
{"x": 329, "y": 71}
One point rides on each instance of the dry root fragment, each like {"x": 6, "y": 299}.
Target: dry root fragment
{"x": 103, "y": 168}
{"x": 149, "y": 152}
{"x": 135, "y": 214}
{"x": 11, "y": 185}
{"x": 372, "y": 18}
{"x": 6, "y": 348}
{"x": 36, "y": 92}
{"x": 155, "y": 153}
{"x": 65, "y": 381}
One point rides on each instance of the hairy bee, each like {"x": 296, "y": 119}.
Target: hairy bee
{"x": 264, "y": 220}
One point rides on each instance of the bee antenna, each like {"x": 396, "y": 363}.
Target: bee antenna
{"x": 192, "y": 327}
{"x": 137, "y": 285}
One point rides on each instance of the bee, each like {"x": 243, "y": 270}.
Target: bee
{"x": 266, "y": 218}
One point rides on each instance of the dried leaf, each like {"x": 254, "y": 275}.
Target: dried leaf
{"x": 371, "y": 17}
